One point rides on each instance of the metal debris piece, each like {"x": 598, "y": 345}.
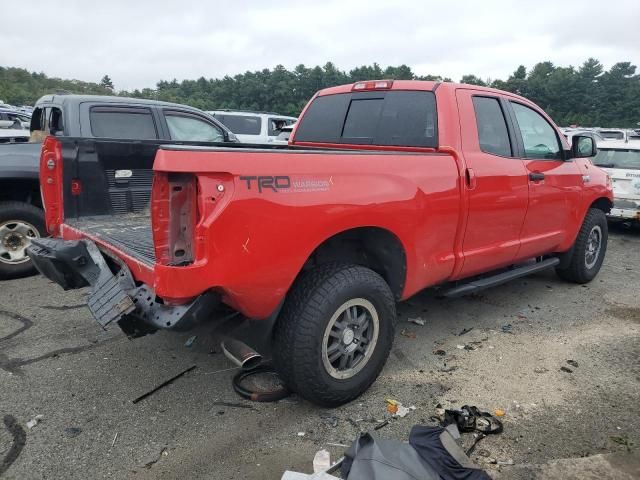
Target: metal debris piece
{"x": 465, "y": 330}
{"x": 163, "y": 384}
{"x": 190, "y": 341}
{"x": 115, "y": 437}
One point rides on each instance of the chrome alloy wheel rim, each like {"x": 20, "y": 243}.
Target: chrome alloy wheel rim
{"x": 594, "y": 245}
{"x": 15, "y": 237}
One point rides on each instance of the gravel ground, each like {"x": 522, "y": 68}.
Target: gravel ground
{"x": 55, "y": 361}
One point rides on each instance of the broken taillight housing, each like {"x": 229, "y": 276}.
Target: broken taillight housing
{"x": 174, "y": 214}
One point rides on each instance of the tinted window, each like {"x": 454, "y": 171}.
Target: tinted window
{"x": 379, "y": 118}
{"x": 612, "y": 135}
{"x": 189, "y": 128}
{"x": 492, "y": 127}
{"x": 241, "y": 124}
{"x": 126, "y": 123}
{"x": 538, "y": 136}
{"x": 276, "y": 124}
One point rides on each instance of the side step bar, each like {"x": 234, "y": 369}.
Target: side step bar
{"x": 492, "y": 281}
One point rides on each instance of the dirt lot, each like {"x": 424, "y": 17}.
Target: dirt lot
{"x": 56, "y": 362}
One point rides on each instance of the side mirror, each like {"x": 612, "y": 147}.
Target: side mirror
{"x": 583, "y": 146}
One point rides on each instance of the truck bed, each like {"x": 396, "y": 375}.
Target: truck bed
{"x": 130, "y": 234}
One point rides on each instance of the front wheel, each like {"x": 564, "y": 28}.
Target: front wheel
{"x": 334, "y": 333}
{"x": 588, "y": 250}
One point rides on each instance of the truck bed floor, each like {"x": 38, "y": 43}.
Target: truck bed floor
{"x": 129, "y": 233}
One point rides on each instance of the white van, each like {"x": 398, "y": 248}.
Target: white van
{"x": 253, "y": 127}
{"x": 621, "y": 161}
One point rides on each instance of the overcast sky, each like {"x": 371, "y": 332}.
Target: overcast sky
{"x": 138, "y": 42}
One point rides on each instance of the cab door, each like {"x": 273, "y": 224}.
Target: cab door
{"x": 496, "y": 183}
{"x": 555, "y": 184}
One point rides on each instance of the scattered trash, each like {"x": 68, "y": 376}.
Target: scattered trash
{"x": 440, "y": 352}
{"x": 330, "y": 419}
{"x": 465, "y": 330}
{"x": 301, "y": 434}
{"x": 34, "y": 421}
{"x": 566, "y": 369}
{"x": 460, "y": 347}
{"x": 163, "y": 384}
{"x": 190, "y": 341}
{"x": 418, "y": 321}
{"x": 573, "y": 363}
{"x": 115, "y": 437}
{"x": 73, "y": 431}
{"x": 540, "y": 370}
{"x": 381, "y": 425}
{"x": 265, "y": 384}
{"x": 483, "y": 453}
{"x": 504, "y": 462}
{"x": 452, "y": 368}
{"x": 397, "y": 409}
{"x": 321, "y": 461}
{"x": 407, "y": 333}
{"x": 499, "y": 412}
{"x": 342, "y": 445}
{"x": 470, "y": 347}
{"x": 508, "y": 328}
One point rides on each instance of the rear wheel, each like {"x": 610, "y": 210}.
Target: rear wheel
{"x": 588, "y": 250}
{"x": 334, "y": 333}
{"x": 19, "y": 224}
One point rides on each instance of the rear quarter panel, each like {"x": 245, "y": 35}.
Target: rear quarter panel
{"x": 253, "y": 242}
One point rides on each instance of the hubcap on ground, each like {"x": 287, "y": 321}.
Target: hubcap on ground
{"x": 350, "y": 338}
{"x": 15, "y": 237}
{"x": 594, "y": 245}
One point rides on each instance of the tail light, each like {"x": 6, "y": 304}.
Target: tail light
{"x": 51, "y": 183}
{"x": 174, "y": 214}
{"x": 373, "y": 85}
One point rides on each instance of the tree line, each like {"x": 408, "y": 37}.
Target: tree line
{"x": 588, "y": 95}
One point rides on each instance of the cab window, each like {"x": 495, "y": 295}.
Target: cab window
{"x": 538, "y": 136}
{"x": 493, "y": 135}
{"x": 190, "y": 128}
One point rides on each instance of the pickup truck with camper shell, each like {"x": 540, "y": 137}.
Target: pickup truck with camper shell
{"x": 386, "y": 188}
{"x": 139, "y": 125}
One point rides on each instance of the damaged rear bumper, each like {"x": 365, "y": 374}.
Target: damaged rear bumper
{"x": 114, "y": 296}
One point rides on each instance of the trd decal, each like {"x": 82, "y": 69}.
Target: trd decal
{"x": 279, "y": 182}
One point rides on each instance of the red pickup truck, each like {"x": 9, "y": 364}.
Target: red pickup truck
{"x": 386, "y": 188}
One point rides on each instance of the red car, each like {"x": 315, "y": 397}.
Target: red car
{"x": 386, "y": 188}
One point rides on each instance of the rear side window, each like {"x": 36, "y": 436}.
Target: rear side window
{"x": 492, "y": 127}
{"x": 126, "y": 123}
{"x": 398, "y": 118}
{"x": 190, "y": 128}
{"x": 241, "y": 124}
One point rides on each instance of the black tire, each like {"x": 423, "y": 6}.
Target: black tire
{"x": 300, "y": 332}
{"x": 580, "y": 267}
{"x": 22, "y": 212}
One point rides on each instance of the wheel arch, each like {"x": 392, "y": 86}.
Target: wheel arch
{"x": 602, "y": 203}
{"x": 373, "y": 247}
{"x": 25, "y": 190}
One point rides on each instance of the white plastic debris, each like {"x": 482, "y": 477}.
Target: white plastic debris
{"x": 34, "y": 421}
{"x": 418, "y": 321}
{"x": 321, "y": 461}
{"x": 460, "y": 347}
{"x": 403, "y": 411}
{"x": 301, "y": 434}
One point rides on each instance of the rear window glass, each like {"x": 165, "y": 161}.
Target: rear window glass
{"x": 126, "y": 123}
{"x": 241, "y": 124}
{"x": 618, "y": 158}
{"x": 379, "y": 118}
{"x": 493, "y": 135}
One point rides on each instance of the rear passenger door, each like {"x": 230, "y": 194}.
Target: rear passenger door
{"x": 496, "y": 183}
{"x": 555, "y": 184}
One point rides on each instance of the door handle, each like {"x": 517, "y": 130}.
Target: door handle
{"x": 536, "y": 176}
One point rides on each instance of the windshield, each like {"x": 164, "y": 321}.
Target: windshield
{"x": 609, "y": 158}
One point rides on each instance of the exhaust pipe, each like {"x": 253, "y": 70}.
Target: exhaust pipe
{"x": 241, "y": 354}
